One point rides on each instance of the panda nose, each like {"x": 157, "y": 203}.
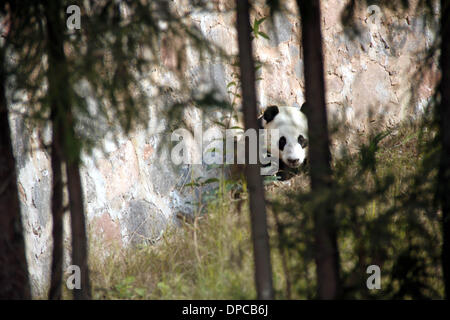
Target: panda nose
{"x": 293, "y": 161}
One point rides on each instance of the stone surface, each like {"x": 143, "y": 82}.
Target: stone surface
{"x": 143, "y": 221}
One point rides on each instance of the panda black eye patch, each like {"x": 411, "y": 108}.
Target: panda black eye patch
{"x": 281, "y": 143}
{"x": 302, "y": 141}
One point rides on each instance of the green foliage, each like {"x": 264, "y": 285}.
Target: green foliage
{"x": 367, "y": 160}
{"x": 126, "y": 289}
{"x": 383, "y": 218}
{"x": 255, "y": 28}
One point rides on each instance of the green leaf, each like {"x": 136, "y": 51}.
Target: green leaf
{"x": 256, "y": 25}
{"x": 214, "y": 166}
{"x": 262, "y": 34}
{"x": 211, "y": 180}
{"x": 191, "y": 184}
{"x": 140, "y": 292}
{"x": 129, "y": 280}
{"x": 213, "y": 150}
{"x": 270, "y": 179}
{"x": 219, "y": 123}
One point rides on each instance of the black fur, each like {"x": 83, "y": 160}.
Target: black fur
{"x": 305, "y": 109}
{"x": 281, "y": 143}
{"x": 303, "y": 142}
{"x": 270, "y": 113}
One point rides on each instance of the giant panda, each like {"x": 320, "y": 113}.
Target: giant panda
{"x": 291, "y": 149}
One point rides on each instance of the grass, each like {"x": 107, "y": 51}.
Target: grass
{"x": 211, "y": 257}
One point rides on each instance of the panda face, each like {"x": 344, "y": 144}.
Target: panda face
{"x": 292, "y": 127}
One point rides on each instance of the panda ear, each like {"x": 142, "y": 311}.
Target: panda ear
{"x": 270, "y": 113}
{"x": 303, "y": 141}
{"x": 305, "y": 108}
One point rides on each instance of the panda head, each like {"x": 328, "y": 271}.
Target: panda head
{"x": 292, "y": 128}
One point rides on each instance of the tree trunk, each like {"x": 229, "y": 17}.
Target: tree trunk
{"x": 79, "y": 239}
{"x": 57, "y": 211}
{"x": 326, "y": 250}
{"x": 60, "y": 94}
{"x": 14, "y": 282}
{"x": 444, "y": 124}
{"x": 260, "y": 237}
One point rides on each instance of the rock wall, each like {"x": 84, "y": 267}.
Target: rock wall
{"x": 132, "y": 192}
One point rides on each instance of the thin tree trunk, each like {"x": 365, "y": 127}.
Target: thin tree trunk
{"x": 57, "y": 212}
{"x": 326, "y": 250}
{"x": 284, "y": 257}
{"x": 444, "y": 123}
{"x": 60, "y": 90}
{"x": 261, "y": 248}
{"x": 79, "y": 239}
{"x": 14, "y": 281}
